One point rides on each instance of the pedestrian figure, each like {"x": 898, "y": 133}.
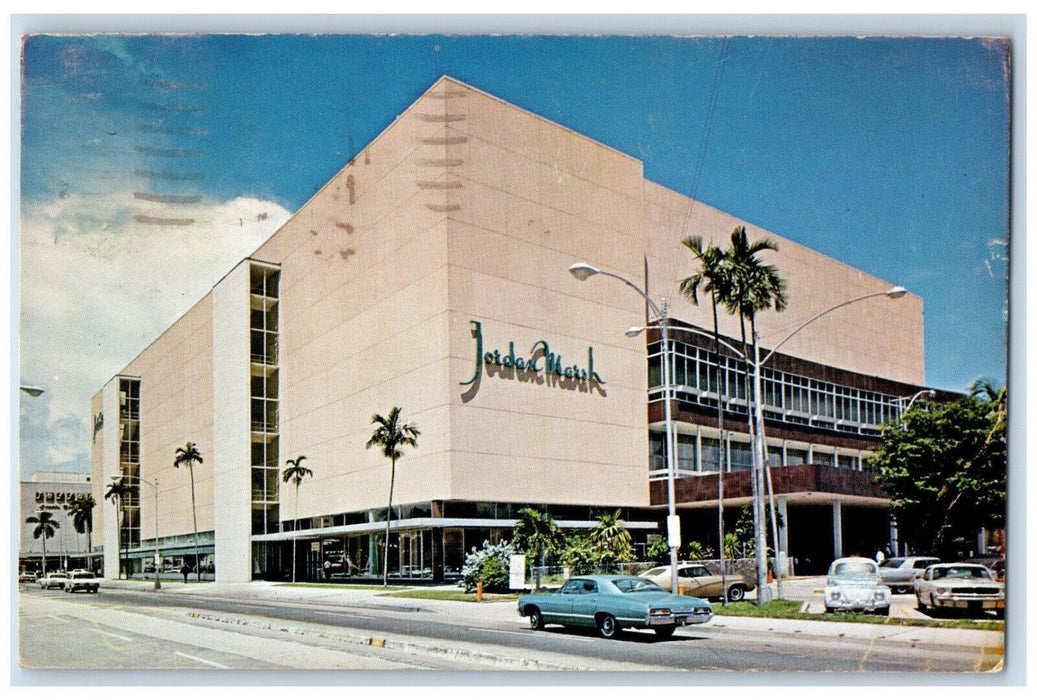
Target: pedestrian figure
{"x": 880, "y": 556}
{"x": 185, "y": 570}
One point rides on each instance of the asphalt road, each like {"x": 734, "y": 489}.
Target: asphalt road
{"x": 138, "y": 629}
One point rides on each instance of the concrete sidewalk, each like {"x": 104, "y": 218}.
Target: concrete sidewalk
{"x": 504, "y": 615}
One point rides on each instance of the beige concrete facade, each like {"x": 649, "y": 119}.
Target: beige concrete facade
{"x": 465, "y": 211}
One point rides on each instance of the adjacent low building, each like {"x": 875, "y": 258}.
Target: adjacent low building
{"x": 54, "y": 493}
{"x": 431, "y": 273}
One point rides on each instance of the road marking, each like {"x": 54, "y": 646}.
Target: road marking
{"x": 59, "y": 619}
{"x": 496, "y": 631}
{"x": 112, "y": 634}
{"x": 199, "y": 660}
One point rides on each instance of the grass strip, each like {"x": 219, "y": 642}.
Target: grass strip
{"x": 789, "y": 610}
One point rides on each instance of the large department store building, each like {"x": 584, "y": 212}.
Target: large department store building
{"x": 431, "y": 273}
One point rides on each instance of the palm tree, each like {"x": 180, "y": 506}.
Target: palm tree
{"x": 536, "y": 534}
{"x": 715, "y": 277}
{"x": 45, "y": 527}
{"x": 188, "y": 454}
{"x": 611, "y": 538}
{"x": 82, "y": 510}
{"x": 755, "y": 287}
{"x": 117, "y": 491}
{"x": 295, "y": 472}
{"x": 391, "y": 435}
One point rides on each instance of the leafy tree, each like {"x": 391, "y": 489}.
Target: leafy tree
{"x": 943, "y": 467}
{"x": 391, "y": 435}
{"x": 536, "y": 535}
{"x": 577, "y": 552}
{"x": 82, "y": 510}
{"x": 611, "y": 539}
{"x": 295, "y": 472}
{"x": 658, "y": 551}
{"x": 117, "y": 492}
{"x": 45, "y": 528}
{"x": 696, "y": 551}
{"x": 188, "y": 455}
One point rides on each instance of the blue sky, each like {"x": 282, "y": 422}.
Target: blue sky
{"x": 888, "y": 154}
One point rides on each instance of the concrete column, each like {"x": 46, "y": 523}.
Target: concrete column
{"x": 781, "y": 504}
{"x": 894, "y": 537}
{"x": 837, "y": 529}
{"x": 810, "y": 453}
{"x": 784, "y": 452}
{"x": 698, "y": 448}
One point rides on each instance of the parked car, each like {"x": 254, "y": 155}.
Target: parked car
{"x": 697, "y": 580}
{"x": 27, "y": 576}
{"x": 53, "y": 579}
{"x": 612, "y": 603}
{"x": 854, "y": 584}
{"x": 959, "y": 586}
{"x": 82, "y": 580}
{"x": 899, "y": 573}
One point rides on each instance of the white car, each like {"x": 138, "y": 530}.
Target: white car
{"x": 961, "y": 586}
{"x": 53, "y": 579}
{"x": 854, "y": 584}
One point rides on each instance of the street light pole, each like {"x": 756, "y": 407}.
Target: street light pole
{"x": 582, "y": 271}
{"x": 154, "y": 487}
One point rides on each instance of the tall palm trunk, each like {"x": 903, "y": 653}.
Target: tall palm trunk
{"x": 295, "y": 530}
{"x": 44, "y": 556}
{"x": 388, "y": 519}
{"x": 194, "y": 518}
{"x": 759, "y": 529}
{"x": 766, "y": 462}
{"x": 720, "y": 453}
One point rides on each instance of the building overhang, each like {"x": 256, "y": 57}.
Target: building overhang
{"x": 428, "y": 523}
{"x": 797, "y": 484}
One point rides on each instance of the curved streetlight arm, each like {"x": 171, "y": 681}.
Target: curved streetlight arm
{"x": 892, "y": 293}
{"x": 582, "y": 271}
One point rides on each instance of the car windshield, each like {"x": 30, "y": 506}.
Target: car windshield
{"x": 894, "y": 563}
{"x": 657, "y": 571}
{"x": 637, "y": 585}
{"x": 863, "y": 570}
{"x": 961, "y": 572}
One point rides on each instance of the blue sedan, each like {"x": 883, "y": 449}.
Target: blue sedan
{"x": 611, "y": 603}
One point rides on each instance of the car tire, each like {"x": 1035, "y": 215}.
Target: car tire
{"x": 921, "y": 605}
{"x": 829, "y": 609}
{"x": 735, "y": 593}
{"x": 536, "y": 619}
{"x": 884, "y": 612}
{"x": 937, "y": 612}
{"x": 665, "y": 632}
{"x": 607, "y": 626}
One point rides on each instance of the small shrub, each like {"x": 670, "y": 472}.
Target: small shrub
{"x": 477, "y": 565}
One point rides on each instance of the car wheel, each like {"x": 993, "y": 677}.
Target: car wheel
{"x": 882, "y": 611}
{"x": 736, "y": 593}
{"x": 607, "y": 626}
{"x": 664, "y": 632}
{"x": 936, "y": 611}
{"x": 829, "y": 609}
{"x": 921, "y": 605}
{"x": 536, "y": 620}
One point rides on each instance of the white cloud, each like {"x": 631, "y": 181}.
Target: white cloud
{"x": 100, "y": 279}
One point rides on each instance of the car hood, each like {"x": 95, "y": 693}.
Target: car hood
{"x": 971, "y": 581}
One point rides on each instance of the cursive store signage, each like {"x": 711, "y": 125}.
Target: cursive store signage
{"x": 541, "y": 362}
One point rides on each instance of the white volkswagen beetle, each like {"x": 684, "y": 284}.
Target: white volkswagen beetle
{"x": 854, "y": 584}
